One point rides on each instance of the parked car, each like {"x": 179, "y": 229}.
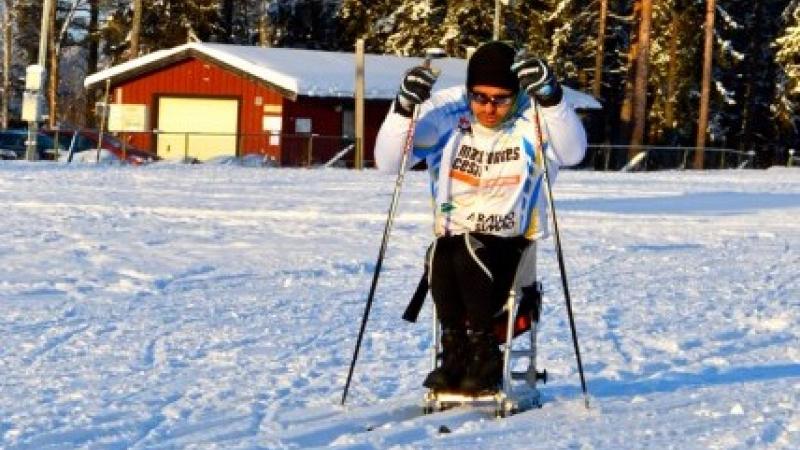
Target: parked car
{"x": 13, "y": 144}
{"x": 85, "y": 139}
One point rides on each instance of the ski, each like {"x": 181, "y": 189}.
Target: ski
{"x": 521, "y": 399}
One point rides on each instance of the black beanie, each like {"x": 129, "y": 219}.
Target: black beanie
{"x": 490, "y": 65}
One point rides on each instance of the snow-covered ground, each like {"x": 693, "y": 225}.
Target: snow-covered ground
{"x": 217, "y": 307}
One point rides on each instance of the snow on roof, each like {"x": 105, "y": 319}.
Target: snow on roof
{"x": 312, "y": 73}
{"x": 332, "y": 74}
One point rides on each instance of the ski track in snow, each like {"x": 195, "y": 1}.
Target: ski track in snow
{"x": 217, "y": 307}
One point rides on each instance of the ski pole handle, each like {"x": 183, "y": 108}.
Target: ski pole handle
{"x": 409, "y": 143}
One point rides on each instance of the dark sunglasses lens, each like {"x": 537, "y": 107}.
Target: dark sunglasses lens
{"x": 503, "y": 100}
{"x": 483, "y": 99}
{"x": 480, "y": 99}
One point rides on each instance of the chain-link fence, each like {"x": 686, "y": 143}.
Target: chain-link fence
{"x": 312, "y": 150}
{"x": 791, "y": 159}
{"x": 285, "y": 150}
{"x": 650, "y": 157}
{"x": 315, "y": 150}
{"x": 299, "y": 150}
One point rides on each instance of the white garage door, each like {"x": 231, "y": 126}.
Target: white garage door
{"x": 199, "y": 128}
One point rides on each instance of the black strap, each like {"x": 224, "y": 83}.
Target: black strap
{"x": 531, "y": 301}
{"x": 418, "y": 299}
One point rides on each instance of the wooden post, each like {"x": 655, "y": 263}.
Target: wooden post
{"x": 359, "y": 106}
{"x": 310, "y": 150}
{"x": 103, "y": 118}
{"x": 124, "y": 147}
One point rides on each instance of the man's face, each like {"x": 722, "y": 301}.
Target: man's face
{"x": 490, "y": 104}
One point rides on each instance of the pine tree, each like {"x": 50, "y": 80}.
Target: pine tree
{"x": 304, "y": 24}
{"x": 165, "y": 24}
{"x": 392, "y": 26}
{"x": 744, "y": 77}
{"x": 675, "y": 53}
{"x": 409, "y": 19}
{"x": 466, "y": 23}
{"x": 788, "y": 58}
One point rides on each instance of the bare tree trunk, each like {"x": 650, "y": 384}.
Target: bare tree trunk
{"x": 247, "y": 32}
{"x": 640, "y": 83}
{"x": 597, "y": 84}
{"x": 136, "y": 29}
{"x": 263, "y": 28}
{"x": 626, "y": 110}
{"x": 52, "y": 79}
{"x": 750, "y": 114}
{"x": 91, "y": 63}
{"x": 5, "y": 23}
{"x": 227, "y": 19}
{"x": 263, "y": 25}
{"x": 672, "y": 71}
{"x": 55, "y": 54}
{"x": 705, "y": 89}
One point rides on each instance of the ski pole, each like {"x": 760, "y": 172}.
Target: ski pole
{"x": 559, "y": 252}
{"x": 409, "y": 143}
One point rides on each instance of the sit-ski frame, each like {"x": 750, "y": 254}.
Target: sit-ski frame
{"x": 509, "y": 399}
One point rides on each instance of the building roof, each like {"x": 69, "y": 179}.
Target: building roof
{"x": 300, "y": 72}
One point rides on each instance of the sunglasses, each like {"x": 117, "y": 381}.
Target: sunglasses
{"x": 497, "y": 100}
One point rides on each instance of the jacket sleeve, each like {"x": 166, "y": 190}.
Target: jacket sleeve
{"x": 392, "y": 137}
{"x": 566, "y": 134}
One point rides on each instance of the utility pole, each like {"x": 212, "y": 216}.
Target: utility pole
{"x": 35, "y": 82}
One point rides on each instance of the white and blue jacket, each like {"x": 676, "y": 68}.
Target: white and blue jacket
{"x": 485, "y": 180}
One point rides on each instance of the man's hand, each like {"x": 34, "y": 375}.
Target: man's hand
{"x": 537, "y": 80}
{"x": 415, "y": 89}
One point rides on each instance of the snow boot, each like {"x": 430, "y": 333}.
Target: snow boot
{"x": 484, "y": 370}
{"x": 449, "y": 373}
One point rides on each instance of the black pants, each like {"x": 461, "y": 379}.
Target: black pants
{"x": 471, "y": 276}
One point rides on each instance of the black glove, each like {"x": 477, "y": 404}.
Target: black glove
{"x": 415, "y": 89}
{"x": 537, "y": 80}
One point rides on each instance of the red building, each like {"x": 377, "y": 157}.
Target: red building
{"x": 207, "y": 100}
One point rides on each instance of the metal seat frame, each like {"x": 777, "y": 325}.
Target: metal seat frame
{"x": 518, "y": 391}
